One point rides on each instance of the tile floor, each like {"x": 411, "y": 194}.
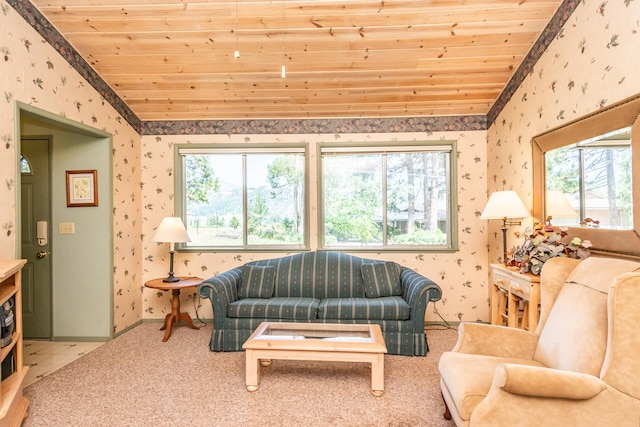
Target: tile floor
{"x": 45, "y": 357}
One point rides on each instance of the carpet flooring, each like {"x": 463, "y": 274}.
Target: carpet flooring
{"x": 137, "y": 380}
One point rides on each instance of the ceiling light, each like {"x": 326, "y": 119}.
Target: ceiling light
{"x": 283, "y": 71}
{"x": 236, "y": 54}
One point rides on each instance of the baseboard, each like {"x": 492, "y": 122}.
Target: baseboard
{"x": 441, "y": 325}
{"x": 80, "y": 339}
{"x": 128, "y": 328}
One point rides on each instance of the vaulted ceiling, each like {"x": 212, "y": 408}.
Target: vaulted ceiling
{"x": 174, "y": 60}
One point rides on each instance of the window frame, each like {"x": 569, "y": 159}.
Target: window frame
{"x": 180, "y": 150}
{"x": 389, "y": 147}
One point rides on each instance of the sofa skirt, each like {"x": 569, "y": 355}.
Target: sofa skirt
{"x": 398, "y": 336}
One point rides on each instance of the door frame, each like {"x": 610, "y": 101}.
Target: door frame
{"x": 63, "y": 125}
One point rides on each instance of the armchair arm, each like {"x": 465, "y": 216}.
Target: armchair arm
{"x": 417, "y": 291}
{"x": 222, "y": 290}
{"x": 494, "y": 340}
{"x": 536, "y": 381}
{"x": 532, "y": 396}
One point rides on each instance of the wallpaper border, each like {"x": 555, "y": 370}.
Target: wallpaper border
{"x": 52, "y": 36}
{"x": 551, "y": 31}
{"x": 316, "y": 126}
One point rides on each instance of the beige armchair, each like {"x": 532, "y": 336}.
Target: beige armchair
{"x": 581, "y": 367}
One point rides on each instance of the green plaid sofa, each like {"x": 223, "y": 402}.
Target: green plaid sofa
{"x": 321, "y": 286}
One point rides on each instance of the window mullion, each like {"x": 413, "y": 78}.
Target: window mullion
{"x": 581, "y": 185}
{"x": 384, "y": 200}
{"x": 245, "y": 204}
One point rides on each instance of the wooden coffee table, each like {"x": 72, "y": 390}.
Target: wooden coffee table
{"x": 316, "y": 341}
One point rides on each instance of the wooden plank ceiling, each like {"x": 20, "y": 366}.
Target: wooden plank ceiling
{"x": 174, "y": 60}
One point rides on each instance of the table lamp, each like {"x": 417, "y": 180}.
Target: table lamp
{"x": 557, "y": 206}
{"x": 505, "y": 205}
{"x": 171, "y": 230}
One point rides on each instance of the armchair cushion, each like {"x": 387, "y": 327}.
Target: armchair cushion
{"x": 381, "y": 279}
{"x": 575, "y": 340}
{"x": 575, "y": 335}
{"x": 257, "y": 281}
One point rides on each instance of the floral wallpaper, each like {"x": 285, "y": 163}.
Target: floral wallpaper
{"x": 591, "y": 63}
{"x": 462, "y": 275}
{"x": 35, "y": 74}
{"x": 588, "y": 63}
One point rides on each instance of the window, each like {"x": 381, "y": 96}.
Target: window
{"x": 391, "y": 197}
{"x": 25, "y": 166}
{"x": 595, "y": 175}
{"x": 244, "y": 197}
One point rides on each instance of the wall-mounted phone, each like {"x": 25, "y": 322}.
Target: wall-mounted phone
{"x": 41, "y": 232}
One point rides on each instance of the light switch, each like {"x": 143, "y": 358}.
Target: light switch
{"x": 66, "y": 228}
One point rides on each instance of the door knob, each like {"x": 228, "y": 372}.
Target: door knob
{"x": 41, "y": 254}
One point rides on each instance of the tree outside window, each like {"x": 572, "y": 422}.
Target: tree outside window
{"x": 595, "y": 176}
{"x": 391, "y": 197}
{"x": 236, "y": 199}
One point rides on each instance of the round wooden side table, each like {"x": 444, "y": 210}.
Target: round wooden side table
{"x": 175, "y": 316}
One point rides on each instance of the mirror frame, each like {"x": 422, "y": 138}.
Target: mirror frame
{"x": 616, "y": 116}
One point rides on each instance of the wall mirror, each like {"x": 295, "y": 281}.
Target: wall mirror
{"x": 592, "y": 160}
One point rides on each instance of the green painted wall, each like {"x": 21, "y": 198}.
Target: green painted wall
{"x": 82, "y": 262}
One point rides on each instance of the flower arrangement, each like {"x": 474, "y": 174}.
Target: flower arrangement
{"x": 543, "y": 243}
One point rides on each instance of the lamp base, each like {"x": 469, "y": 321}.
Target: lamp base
{"x": 171, "y": 278}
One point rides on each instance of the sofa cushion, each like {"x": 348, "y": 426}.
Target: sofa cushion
{"x": 386, "y": 308}
{"x": 305, "y": 309}
{"x": 317, "y": 274}
{"x": 381, "y": 279}
{"x": 257, "y": 281}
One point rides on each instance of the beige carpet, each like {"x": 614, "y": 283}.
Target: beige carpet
{"x": 137, "y": 380}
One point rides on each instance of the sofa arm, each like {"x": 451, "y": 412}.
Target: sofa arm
{"x": 222, "y": 290}
{"x": 536, "y": 381}
{"x": 494, "y": 340}
{"x": 417, "y": 291}
{"x": 415, "y": 284}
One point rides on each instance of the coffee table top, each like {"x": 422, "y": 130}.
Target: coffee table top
{"x": 363, "y": 338}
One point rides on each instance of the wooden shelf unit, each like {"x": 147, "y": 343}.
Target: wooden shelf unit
{"x": 515, "y": 298}
{"x": 13, "y": 404}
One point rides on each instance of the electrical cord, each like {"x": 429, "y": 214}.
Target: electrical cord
{"x": 444, "y": 327}
{"x": 195, "y": 308}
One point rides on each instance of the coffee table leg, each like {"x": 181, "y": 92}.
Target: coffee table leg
{"x": 377, "y": 376}
{"x": 252, "y": 371}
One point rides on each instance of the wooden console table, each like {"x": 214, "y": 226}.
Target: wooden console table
{"x": 175, "y": 315}
{"x": 515, "y": 298}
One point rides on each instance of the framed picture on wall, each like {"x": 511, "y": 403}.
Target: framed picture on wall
{"x": 82, "y": 188}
